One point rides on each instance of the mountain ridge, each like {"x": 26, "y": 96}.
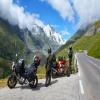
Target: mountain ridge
{"x": 87, "y": 39}
{"x": 26, "y": 43}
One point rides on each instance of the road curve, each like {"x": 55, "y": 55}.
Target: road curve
{"x": 89, "y": 74}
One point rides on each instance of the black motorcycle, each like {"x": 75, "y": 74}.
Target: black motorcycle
{"x": 23, "y": 75}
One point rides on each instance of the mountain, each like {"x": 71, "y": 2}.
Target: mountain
{"x": 90, "y": 41}
{"x": 73, "y": 39}
{"x": 10, "y": 43}
{"x": 27, "y": 42}
{"x": 53, "y": 34}
{"x": 85, "y": 39}
{"x": 42, "y": 38}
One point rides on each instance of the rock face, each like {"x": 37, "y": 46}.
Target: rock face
{"x": 91, "y": 31}
{"x": 98, "y": 30}
{"x": 40, "y": 39}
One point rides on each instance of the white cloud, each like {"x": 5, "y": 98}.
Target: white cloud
{"x": 17, "y": 16}
{"x": 88, "y": 11}
{"x": 65, "y": 32}
{"x": 63, "y": 7}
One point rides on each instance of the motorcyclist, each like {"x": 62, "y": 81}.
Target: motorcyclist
{"x": 54, "y": 63}
{"x": 48, "y": 67}
{"x": 20, "y": 67}
{"x": 70, "y": 55}
{"x": 33, "y": 67}
{"x": 36, "y": 62}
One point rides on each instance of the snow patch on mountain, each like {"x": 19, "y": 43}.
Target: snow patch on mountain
{"x": 53, "y": 34}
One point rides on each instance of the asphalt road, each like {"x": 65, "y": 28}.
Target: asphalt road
{"x": 89, "y": 76}
{"x": 61, "y": 89}
{"x": 85, "y": 85}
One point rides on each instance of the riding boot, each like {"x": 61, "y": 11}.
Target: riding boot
{"x": 49, "y": 80}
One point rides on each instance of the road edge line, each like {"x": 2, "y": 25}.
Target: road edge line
{"x": 81, "y": 87}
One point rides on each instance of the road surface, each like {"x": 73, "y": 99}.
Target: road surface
{"x": 61, "y": 89}
{"x": 85, "y": 85}
{"x": 89, "y": 76}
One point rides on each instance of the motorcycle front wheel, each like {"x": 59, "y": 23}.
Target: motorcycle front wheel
{"x": 12, "y": 81}
{"x": 34, "y": 82}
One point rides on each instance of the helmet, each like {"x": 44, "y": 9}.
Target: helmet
{"x": 49, "y": 50}
{"x": 36, "y": 60}
{"x": 70, "y": 48}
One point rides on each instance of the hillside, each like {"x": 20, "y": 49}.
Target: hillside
{"x": 73, "y": 39}
{"x": 89, "y": 40}
{"x": 10, "y": 43}
{"x": 89, "y": 43}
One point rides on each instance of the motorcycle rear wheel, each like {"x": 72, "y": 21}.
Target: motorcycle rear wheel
{"x": 12, "y": 81}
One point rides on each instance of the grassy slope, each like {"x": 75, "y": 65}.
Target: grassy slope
{"x": 89, "y": 43}
{"x": 5, "y": 68}
{"x": 9, "y": 42}
{"x": 9, "y": 45}
{"x": 94, "y": 50}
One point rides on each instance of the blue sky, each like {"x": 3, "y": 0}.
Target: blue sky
{"x": 66, "y": 16}
{"x": 49, "y": 16}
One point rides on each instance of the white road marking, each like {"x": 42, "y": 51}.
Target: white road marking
{"x": 77, "y": 65}
{"x": 81, "y": 87}
{"x": 80, "y": 81}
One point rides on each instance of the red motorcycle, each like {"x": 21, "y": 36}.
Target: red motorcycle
{"x": 60, "y": 68}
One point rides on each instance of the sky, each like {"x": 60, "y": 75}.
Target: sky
{"x": 66, "y": 16}
{"x": 49, "y": 16}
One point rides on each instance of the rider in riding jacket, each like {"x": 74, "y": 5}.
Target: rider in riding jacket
{"x": 48, "y": 67}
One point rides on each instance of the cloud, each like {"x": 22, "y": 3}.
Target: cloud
{"x": 63, "y": 7}
{"x": 87, "y": 10}
{"x": 65, "y": 32}
{"x": 17, "y": 16}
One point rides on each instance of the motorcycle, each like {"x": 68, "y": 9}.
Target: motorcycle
{"x": 60, "y": 68}
{"x": 23, "y": 75}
